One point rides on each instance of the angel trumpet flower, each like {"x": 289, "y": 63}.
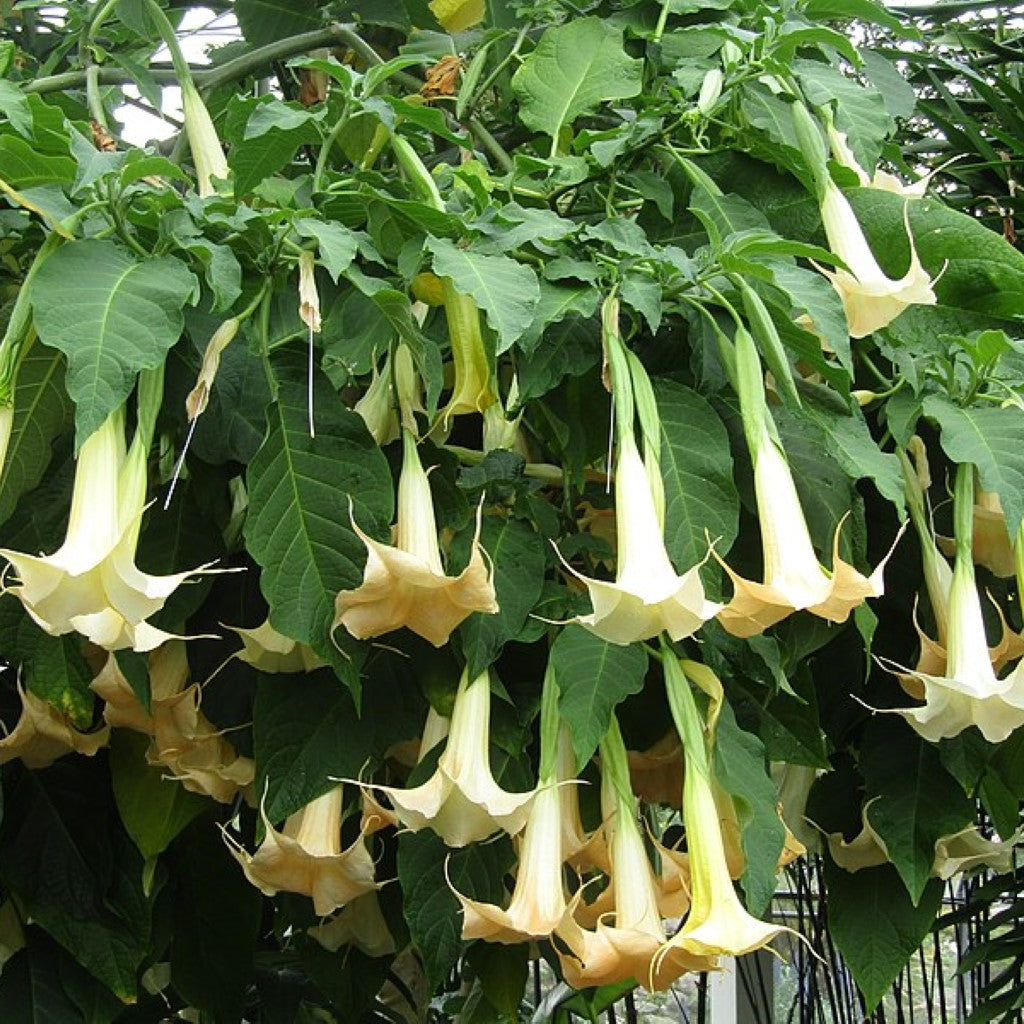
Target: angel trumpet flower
{"x": 91, "y": 584}
{"x": 648, "y": 596}
{"x": 405, "y": 584}
{"x": 991, "y": 546}
{"x": 794, "y": 579}
{"x": 44, "y": 733}
{"x": 307, "y": 858}
{"x": 717, "y": 923}
{"x": 969, "y": 692}
{"x": 269, "y": 651}
{"x": 629, "y": 948}
{"x": 538, "y": 901}
{"x": 870, "y": 297}
{"x": 881, "y": 180}
{"x": 207, "y": 152}
{"x": 461, "y": 801}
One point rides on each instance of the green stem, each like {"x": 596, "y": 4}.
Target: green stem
{"x": 169, "y": 34}
{"x": 963, "y": 513}
{"x": 320, "y": 172}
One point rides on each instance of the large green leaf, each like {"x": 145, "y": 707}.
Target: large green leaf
{"x": 265, "y": 21}
{"x": 506, "y": 290}
{"x": 59, "y": 674}
{"x": 874, "y": 924}
{"x": 23, "y": 166}
{"x": 913, "y": 800}
{"x": 700, "y": 498}
{"x": 741, "y": 768}
{"x": 517, "y": 554}
{"x": 574, "y": 68}
{"x": 593, "y": 677}
{"x": 300, "y": 487}
{"x": 111, "y": 314}
{"x": 993, "y": 439}
{"x": 426, "y": 869}
{"x": 42, "y": 413}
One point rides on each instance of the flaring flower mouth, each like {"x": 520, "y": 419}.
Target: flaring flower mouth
{"x": 404, "y": 584}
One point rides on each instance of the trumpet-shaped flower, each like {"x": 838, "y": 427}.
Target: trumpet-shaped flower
{"x": 633, "y": 947}
{"x": 360, "y": 924}
{"x": 306, "y": 857}
{"x": 461, "y": 801}
{"x": 91, "y": 584}
{"x": 648, "y": 596}
{"x": 969, "y": 849}
{"x": 794, "y": 578}
{"x": 269, "y": 651}
{"x": 43, "y": 733}
{"x": 405, "y": 584}
{"x": 990, "y": 545}
{"x": 870, "y": 297}
{"x": 969, "y": 691}
{"x": 717, "y": 923}
{"x": 207, "y": 152}
{"x": 881, "y": 180}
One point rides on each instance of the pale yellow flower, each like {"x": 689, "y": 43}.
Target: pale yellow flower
{"x": 207, "y": 152}
{"x": 458, "y": 15}
{"x": 405, "y": 584}
{"x": 43, "y": 734}
{"x": 269, "y": 651}
{"x": 306, "y": 857}
{"x": 360, "y": 924}
{"x": 969, "y": 849}
{"x": 794, "y": 578}
{"x": 871, "y": 299}
{"x": 91, "y": 584}
{"x": 990, "y": 544}
{"x": 461, "y": 801}
{"x": 648, "y": 596}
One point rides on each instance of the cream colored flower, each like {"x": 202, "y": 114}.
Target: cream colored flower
{"x": 648, "y": 596}
{"x": 969, "y": 849}
{"x": 405, "y": 584}
{"x": 43, "y": 734}
{"x": 990, "y": 544}
{"x": 473, "y": 387}
{"x": 359, "y": 924}
{"x": 871, "y": 298}
{"x": 794, "y": 578}
{"x": 881, "y": 180}
{"x": 269, "y": 651}
{"x": 717, "y": 924}
{"x": 461, "y": 801}
{"x": 629, "y": 942}
{"x": 207, "y": 152}
{"x": 91, "y": 584}
{"x": 306, "y": 857}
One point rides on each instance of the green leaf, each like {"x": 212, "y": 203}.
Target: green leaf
{"x": 216, "y": 922}
{"x": 593, "y": 677}
{"x": 517, "y": 554}
{"x": 75, "y": 871}
{"x": 556, "y": 303}
{"x": 42, "y": 413}
{"x": 111, "y": 315}
{"x": 22, "y": 165}
{"x": 426, "y": 868}
{"x": 741, "y": 768}
{"x": 266, "y": 21}
{"x": 154, "y": 808}
{"x": 14, "y": 106}
{"x": 338, "y": 246}
{"x": 299, "y": 490}
{"x": 574, "y": 68}
{"x": 58, "y": 674}
{"x": 696, "y": 465}
{"x": 989, "y": 437}
{"x": 506, "y": 290}
{"x": 875, "y": 926}
{"x": 912, "y": 799}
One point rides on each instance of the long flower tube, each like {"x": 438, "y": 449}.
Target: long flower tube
{"x": 404, "y": 583}
{"x": 794, "y": 578}
{"x": 648, "y": 596}
{"x": 461, "y": 801}
{"x": 969, "y": 691}
{"x": 538, "y": 902}
{"x": 718, "y": 924}
{"x": 91, "y": 584}
{"x": 629, "y": 941}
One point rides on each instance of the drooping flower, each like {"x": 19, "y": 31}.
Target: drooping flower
{"x": 360, "y": 924}
{"x": 207, "y": 152}
{"x": 990, "y": 544}
{"x": 648, "y": 596}
{"x": 881, "y": 180}
{"x": 969, "y": 849}
{"x": 969, "y": 691}
{"x": 794, "y": 578}
{"x": 870, "y": 297}
{"x": 461, "y": 801}
{"x": 629, "y": 941}
{"x": 717, "y": 924}
{"x": 473, "y": 387}
{"x": 405, "y": 584}
{"x": 44, "y": 733}
{"x": 269, "y": 651}
{"x": 306, "y": 857}
{"x": 91, "y": 584}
